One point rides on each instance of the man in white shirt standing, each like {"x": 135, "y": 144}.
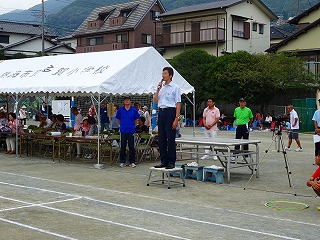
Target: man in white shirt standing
{"x": 211, "y": 116}
{"x": 168, "y": 98}
{"x": 294, "y": 129}
{"x": 77, "y": 117}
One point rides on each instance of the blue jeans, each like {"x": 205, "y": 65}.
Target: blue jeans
{"x": 124, "y": 139}
{"x": 167, "y": 135}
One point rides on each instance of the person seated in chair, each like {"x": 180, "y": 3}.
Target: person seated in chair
{"x": 141, "y": 128}
{"x": 314, "y": 180}
{"x": 3, "y": 119}
{"x": 93, "y": 130}
{"x": 60, "y": 124}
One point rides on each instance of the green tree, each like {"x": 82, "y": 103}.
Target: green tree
{"x": 193, "y": 65}
{"x": 2, "y": 56}
{"x": 19, "y": 55}
{"x": 258, "y": 77}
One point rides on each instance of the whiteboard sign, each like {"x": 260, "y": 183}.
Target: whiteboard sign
{"x": 61, "y": 107}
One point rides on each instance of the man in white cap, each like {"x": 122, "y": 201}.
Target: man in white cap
{"x": 146, "y": 116}
{"x": 23, "y": 115}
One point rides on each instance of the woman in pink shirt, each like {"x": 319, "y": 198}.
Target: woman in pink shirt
{"x": 14, "y": 125}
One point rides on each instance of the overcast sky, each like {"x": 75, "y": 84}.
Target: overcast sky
{"x": 10, "y": 5}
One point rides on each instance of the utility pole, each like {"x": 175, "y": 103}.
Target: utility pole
{"x": 42, "y": 29}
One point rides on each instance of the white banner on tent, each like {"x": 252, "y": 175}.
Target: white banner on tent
{"x": 129, "y": 71}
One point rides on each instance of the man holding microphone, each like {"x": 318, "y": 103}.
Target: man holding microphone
{"x": 168, "y": 98}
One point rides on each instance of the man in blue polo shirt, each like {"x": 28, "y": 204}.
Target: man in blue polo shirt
{"x": 127, "y": 117}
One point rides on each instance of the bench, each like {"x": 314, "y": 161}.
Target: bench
{"x": 194, "y": 172}
{"x": 213, "y": 174}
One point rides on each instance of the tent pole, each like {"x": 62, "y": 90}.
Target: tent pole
{"x": 99, "y": 128}
{"x": 194, "y": 113}
{"x": 98, "y": 165}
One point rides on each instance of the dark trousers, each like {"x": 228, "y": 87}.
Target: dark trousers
{"x": 317, "y": 149}
{"x": 242, "y": 132}
{"x": 124, "y": 139}
{"x": 167, "y": 144}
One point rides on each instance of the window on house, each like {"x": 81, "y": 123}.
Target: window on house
{"x": 146, "y": 39}
{"x": 103, "y": 16}
{"x": 95, "y": 41}
{"x": 241, "y": 29}
{"x": 177, "y": 33}
{"x": 254, "y": 26}
{"x": 154, "y": 14}
{"x": 125, "y": 12}
{"x": 122, "y": 37}
{"x": 261, "y": 29}
{"x": 4, "y": 39}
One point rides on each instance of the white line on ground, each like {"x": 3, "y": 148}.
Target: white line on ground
{"x": 34, "y": 204}
{"x": 36, "y": 229}
{"x": 79, "y": 215}
{"x": 161, "y": 199}
{"x": 149, "y": 211}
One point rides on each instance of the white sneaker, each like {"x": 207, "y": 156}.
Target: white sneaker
{"x": 298, "y": 150}
{"x": 121, "y": 165}
{"x": 204, "y": 157}
{"x": 215, "y": 158}
{"x": 133, "y": 165}
{"x": 288, "y": 149}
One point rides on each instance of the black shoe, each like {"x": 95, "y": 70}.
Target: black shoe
{"x": 169, "y": 166}
{"x": 160, "y": 166}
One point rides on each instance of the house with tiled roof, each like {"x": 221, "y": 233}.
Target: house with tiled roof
{"x": 305, "y": 42}
{"x": 217, "y": 27}
{"x": 119, "y": 26}
{"x": 278, "y": 34}
{"x": 27, "y": 39}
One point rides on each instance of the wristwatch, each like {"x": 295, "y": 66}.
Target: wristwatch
{"x": 178, "y": 117}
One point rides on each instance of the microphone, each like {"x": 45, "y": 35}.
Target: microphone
{"x": 160, "y": 84}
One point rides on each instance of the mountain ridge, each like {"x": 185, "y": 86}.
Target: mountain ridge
{"x": 64, "y": 17}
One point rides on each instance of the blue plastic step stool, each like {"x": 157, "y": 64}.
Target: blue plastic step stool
{"x": 212, "y": 174}
{"x": 195, "y": 172}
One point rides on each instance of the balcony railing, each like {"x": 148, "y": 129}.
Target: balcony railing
{"x": 103, "y": 47}
{"x": 191, "y": 37}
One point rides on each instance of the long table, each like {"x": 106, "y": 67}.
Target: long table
{"x": 225, "y": 152}
{"x": 64, "y": 141}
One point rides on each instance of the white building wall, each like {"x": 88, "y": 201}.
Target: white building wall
{"x": 30, "y": 48}
{"x": 14, "y": 38}
{"x": 257, "y": 43}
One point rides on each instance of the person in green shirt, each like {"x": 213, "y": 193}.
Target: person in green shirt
{"x": 244, "y": 118}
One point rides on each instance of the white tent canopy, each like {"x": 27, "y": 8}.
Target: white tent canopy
{"x": 130, "y": 71}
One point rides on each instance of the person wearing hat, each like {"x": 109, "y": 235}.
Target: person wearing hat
{"x": 127, "y": 117}
{"x": 23, "y": 115}
{"x": 244, "y": 117}
{"x": 316, "y": 121}
{"x": 146, "y": 115}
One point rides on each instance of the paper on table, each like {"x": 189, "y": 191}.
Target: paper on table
{"x": 316, "y": 138}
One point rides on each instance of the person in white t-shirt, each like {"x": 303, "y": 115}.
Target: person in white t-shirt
{"x": 211, "y": 117}
{"x": 294, "y": 129}
{"x": 77, "y": 117}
